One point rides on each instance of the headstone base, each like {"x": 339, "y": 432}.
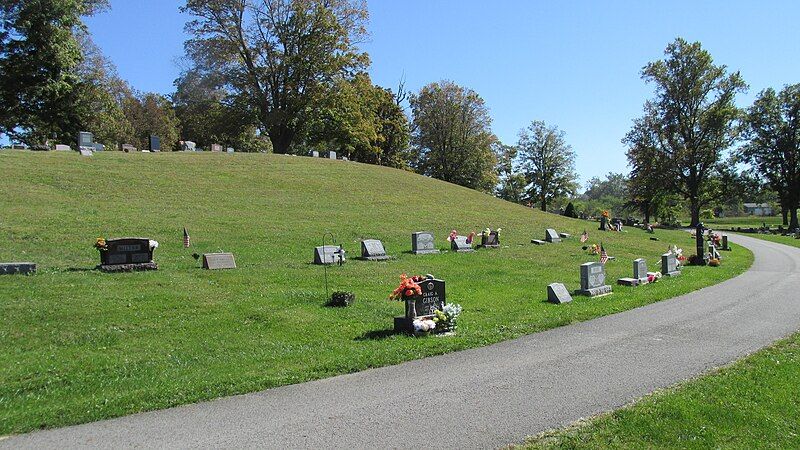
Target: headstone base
{"x": 128, "y": 267}
{"x": 672, "y": 274}
{"x": 488, "y": 246}
{"x": 595, "y": 292}
{"x": 538, "y": 242}
{"x": 403, "y": 325}
{"x": 565, "y": 235}
{"x": 23, "y": 268}
{"x": 632, "y": 281}
{"x": 426, "y": 252}
{"x": 376, "y": 258}
{"x": 464, "y": 250}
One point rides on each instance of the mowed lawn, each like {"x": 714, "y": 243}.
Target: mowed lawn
{"x": 78, "y": 345}
{"x": 753, "y": 403}
{"x": 727, "y": 223}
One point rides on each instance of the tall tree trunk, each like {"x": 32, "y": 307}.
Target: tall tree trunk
{"x": 544, "y": 204}
{"x": 695, "y": 207}
{"x": 785, "y": 214}
{"x": 793, "y": 225}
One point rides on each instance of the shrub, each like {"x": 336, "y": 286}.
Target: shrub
{"x": 342, "y": 299}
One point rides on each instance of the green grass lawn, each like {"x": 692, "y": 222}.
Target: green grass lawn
{"x": 725, "y": 223}
{"x": 78, "y": 345}
{"x": 753, "y": 403}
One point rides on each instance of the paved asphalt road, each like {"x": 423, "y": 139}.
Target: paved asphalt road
{"x": 486, "y": 397}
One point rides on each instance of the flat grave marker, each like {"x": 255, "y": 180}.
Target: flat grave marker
{"x": 551, "y": 236}
{"x": 218, "y": 261}
{"x": 460, "y": 245}
{"x": 23, "y": 268}
{"x": 329, "y": 254}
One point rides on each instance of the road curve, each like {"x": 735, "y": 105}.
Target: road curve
{"x": 490, "y": 396}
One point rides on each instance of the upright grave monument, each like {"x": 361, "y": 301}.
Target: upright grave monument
{"x": 127, "y": 254}
{"x": 593, "y": 280}
{"x": 422, "y": 243}
{"x": 551, "y": 236}
{"x": 557, "y": 293}
{"x": 491, "y": 240}
{"x": 373, "y": 250}
{"x": 459, "y": 244}
{"x": 433, "y": 298}
{"x": 669, "y": 265}
{"x": 639, "y": 274}
{"x": 155, "y": 143}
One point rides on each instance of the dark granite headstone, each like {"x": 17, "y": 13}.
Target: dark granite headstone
{"x": 557, "y": 293}
{"x": 85, "y": 139}
{"x": 460, "y": 245}
{"x": 372, "y": 250}
{"x": 433, "y": 297}
{"x": 155, "y": 143}
{"x": 669, "y": 265}
{"x": 593, "y": 280}
{"x": 217, "y": 261}
{"x": 127, "y": 254}
{"x": 23, "y": 268}
{"x": 329, "y": 254}
{"x": 422, "y": 243}
{"x": 492, "y": 240}
{"x": 551, "y": 236}
{"x": 725, "y": 245}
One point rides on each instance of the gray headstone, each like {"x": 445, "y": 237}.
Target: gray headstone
{"x": 640, "y": 269}
{"x": 564, "y": 235}
{"x": 332, "y": 155}
{"x": 422, "y": 243}
{"x": 23, "y": 268}
{"x": 593, "y": 280}
{"x": 329, "y": 254}
{"x": 551, "y": 236}
{"x": 557, "y": 293}
{"x": 373, "y": 250}
{"x": 216, "y": 148}
{"x": 85, "y": 139}
{"x": 230, "y": 150}
{"x": 217, "y": 261}
{"x": 538, "y": 242}
{"x": 315, "y": 154}
{"x": 460, "y": 245}
{"x": 669, "y": 265}
{"x": 189, "y": 146}
{"x": 63, "y": 148}
{"x": 128, "y": 148}
{"x": 86, "y": 151}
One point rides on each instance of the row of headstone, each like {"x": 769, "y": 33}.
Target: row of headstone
{"x": 329, "y": 155}
{"x": 134, "y": 254}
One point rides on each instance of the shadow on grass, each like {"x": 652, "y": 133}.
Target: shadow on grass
{"x": 377, "y": 335}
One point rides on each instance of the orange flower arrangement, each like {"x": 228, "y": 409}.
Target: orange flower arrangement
{"x": 409, "y": 287}
{"x": 100, "y": 244}
{"x": 605, "y": 214}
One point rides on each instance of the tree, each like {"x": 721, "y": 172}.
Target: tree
{"x": 279, "y": 56}
{"x": 548, "y": 163}
{"x": 152, "y": 114}
{"x": 691, "y": 120}
{"x": 452, "y": 136}
{"x": 39, "y": 53}
{"x": 569, "y": 211}
{"x": 362, "y": 121}
{"x": 512, "y": 183}
{"x": 773, "y": 127}
{"x": 615, "y": 185}
{"x": 648, "y": 185}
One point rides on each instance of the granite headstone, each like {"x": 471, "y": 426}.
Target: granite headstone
{"x": 422, "y": 243}
{"x": 593, "y": 280}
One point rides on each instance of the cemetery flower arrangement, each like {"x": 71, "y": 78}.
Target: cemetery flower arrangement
{"x": 408, "y": 287}
{"x": 488, "y": 231}
{"x": 713, "y": 262}
{"x": 153, "y": 244}
{"x": 424, "y": 325}
{"x": 605, "y": 214}
{"x": 653, "y": 277}
{"x": 452, "y": 236}
{"x": 101, "y": 245}
{"x": 447, "y": 318}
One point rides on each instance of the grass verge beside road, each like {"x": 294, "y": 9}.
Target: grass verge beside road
{"x": 753, "y": 403}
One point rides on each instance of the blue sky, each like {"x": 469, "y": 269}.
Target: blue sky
{"x": 574, "y": 64}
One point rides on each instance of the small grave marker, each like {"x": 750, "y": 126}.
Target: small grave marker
{"x": 85, "y": 151}
{"x": 669, "y": 265}
{"x": 564, "y": 235}
{"x": 593, "y": 280}
{"x": 329, "y": 254}
{"x": 725, "y": 246}
{"x": 218, "y": 261}
{"x": 230, "y": 150}
{"x": 551, "y": 236}
{"x": 23, "y": 268}
{"x": 155, "y": 143}
{"x": 557, "y": 293}
{"x": 459, "y": 244}
{"x": 315, "y": 154}
{"x": 63, "y": 148}
{"x": 538, "y": 242}
{"x": 373, "y": 250}
{"x": 332, "y": 155}
{"x": 422, "y": 243}
{"x": 127, "y": 148}
{"x": 639, "y": 274}
{"x": 216, "y": 148}
{"x": 492, "y": 240}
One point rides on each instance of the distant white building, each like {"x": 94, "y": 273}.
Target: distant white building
{"x": 758, "y": 209}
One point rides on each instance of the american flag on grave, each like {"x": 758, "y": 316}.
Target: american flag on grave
{"x": 584, "y": 237}
{"x": 603, "y": 255}
{"x": 186, "y": 239}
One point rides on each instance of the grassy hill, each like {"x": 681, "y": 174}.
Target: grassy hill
{"x": 78, "y": 345}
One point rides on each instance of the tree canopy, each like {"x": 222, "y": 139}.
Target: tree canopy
{"x": 548, "y": 163}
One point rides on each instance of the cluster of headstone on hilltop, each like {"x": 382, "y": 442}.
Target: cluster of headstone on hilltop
{"x": 87, "y": 146}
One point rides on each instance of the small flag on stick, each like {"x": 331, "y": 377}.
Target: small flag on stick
{"x": 603, "y": 255}
{"x": 186, "y": 241}
{"x": 584, "y": 237}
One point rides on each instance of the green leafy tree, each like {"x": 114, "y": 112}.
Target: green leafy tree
{"x": 512, "y": 183}
{"x": 280, "y": 57}
{"x": 691, "y": 120}
{"x": 773, "y": 126}
{"x": 39, "y": 54}
{"x": 152, "y": 114}
{"x": 452, "y": 136}
{"x": 648, "y": 186}
{"x": 548, "y": 163}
